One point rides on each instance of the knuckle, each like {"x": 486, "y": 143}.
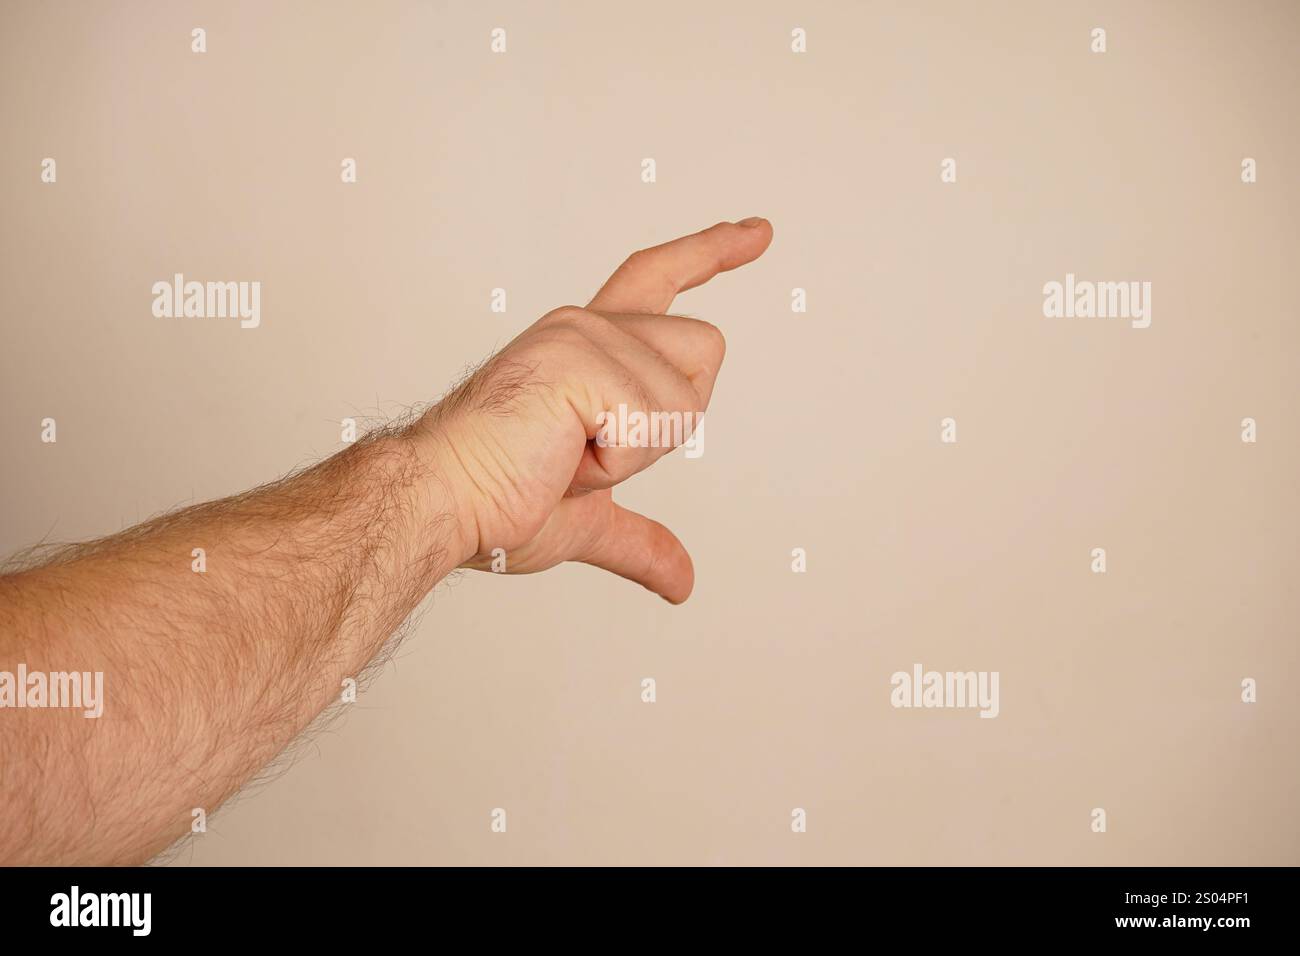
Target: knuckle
{"x": 637, "y": 261}
{"x": 576, "y": 325}
{"x": 717, "y": 341}
{"x": 564, "y": 315}
{"x": 569, "y": 336}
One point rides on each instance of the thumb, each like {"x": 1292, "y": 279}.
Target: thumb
{"x": 644, "y": 551}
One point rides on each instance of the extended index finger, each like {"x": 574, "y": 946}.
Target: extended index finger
{"x": 650, "y": 279}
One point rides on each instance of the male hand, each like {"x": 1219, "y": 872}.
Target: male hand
{"x": 206, "y": 677}
{"x": 516, "y": 443}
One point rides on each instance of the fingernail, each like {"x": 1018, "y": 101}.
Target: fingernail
{"x": 751, "y": 222}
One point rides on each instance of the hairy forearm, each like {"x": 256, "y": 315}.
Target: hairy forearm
{"x": 208, "y": 674}
{"x": 210, "y": 669}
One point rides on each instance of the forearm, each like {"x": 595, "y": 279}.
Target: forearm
{"x": 210, "y": 671}
{"x": 209, "y": 674}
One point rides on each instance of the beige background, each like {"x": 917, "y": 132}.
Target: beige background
{"x": 522, "y": 171}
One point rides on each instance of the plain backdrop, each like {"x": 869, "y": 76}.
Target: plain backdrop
{"x": 522, "y": 171}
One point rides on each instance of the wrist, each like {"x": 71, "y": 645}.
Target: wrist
{"x": 450, "y": 494}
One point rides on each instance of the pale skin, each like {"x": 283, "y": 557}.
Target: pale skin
{"x": 208, "y": 676}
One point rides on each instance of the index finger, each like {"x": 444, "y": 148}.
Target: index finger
{"x": 649, "y": 279}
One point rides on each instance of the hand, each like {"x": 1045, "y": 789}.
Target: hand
{"x": 516, "y": 443}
